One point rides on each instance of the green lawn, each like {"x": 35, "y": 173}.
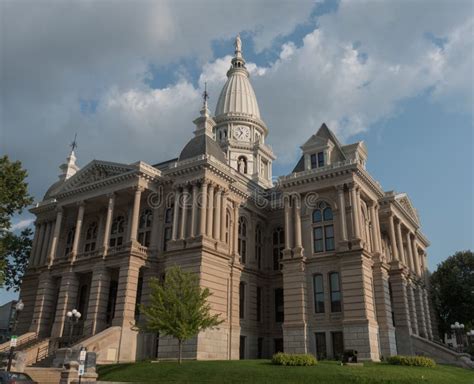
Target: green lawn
{"x": 262, "y": 371}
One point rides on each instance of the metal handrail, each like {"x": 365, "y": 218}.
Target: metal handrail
{"x": 22, "y": 343}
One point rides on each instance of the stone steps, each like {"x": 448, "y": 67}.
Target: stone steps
{"x": 44, "y": 375}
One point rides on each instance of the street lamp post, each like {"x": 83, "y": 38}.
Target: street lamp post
{"x": 73, "y": 317}
{"x": 470, "y": 336}
{"x": 18, "y": 308}
{"x": 458, "y": 331}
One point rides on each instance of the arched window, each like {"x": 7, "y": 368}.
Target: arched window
{"x": 278, "y": 247}
{"x": 242, "y": 164}
{"x": 91, "y": 237}
{"x": 318, "y": 286}
{"x": 69, "y": 241}
{"x": 258, "y": 246}
{"x": 116, "y": 231}
{"x": 144, "y": 227}
{"x": 323, "y": 228}
{"x": 335, "y": 288}
{"x": 242, "y": 240}
{"x": 168, "y": 227}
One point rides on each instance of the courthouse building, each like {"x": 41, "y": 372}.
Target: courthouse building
{"x": 320, "y": 261}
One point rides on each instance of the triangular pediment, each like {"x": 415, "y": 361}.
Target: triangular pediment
{"x": 407, "y": 205}
{"x": 95, "y": 172}
{"x": 321, "y": 139}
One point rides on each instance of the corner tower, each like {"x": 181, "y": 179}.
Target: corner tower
{"x": 239, "y": 129}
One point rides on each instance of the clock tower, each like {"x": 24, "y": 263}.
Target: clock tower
{"x": 239, "y": 130}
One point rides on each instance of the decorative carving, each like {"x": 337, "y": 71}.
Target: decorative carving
{"x": 405, "y": 202}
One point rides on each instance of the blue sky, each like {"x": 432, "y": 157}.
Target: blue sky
{"x": 397, "y": 75}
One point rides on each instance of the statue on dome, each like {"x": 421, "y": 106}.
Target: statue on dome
{"x": 238, "y": 44}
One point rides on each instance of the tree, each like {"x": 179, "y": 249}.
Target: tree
{"x": 178, "y": 307}
{"x": 18, "y": 249}
{"x": 14, "y": 197}
{"x": 452, "y": 290}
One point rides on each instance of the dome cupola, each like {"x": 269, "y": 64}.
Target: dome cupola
{"x": 237, "y": 96}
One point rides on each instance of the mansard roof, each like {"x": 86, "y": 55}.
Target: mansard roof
{"x": 202, "y": 145}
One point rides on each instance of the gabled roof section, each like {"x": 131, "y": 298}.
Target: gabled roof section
{"x": 95, "y": 171}
{"x": 321, "y": 137}
{"x": 405, "y": 202}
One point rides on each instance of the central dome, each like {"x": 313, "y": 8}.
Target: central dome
{"x": 238, "y": 96}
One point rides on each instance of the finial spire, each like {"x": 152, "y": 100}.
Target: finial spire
{"x": 73, "y": 145}
{"x": 205, "y": 96}
{"x": 238, "y": 46}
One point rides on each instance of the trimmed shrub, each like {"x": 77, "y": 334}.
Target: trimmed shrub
{"x": 413, "y": 361}
{"x": 293, "y": 359}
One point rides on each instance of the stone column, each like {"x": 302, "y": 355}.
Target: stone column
{"x": 383, "y": 306}
{"x": 342, "y": 212}
{"x": 374, "y": 228}
{"x": 359, "y": 316}
{"x": 297, "y": 221}
{"x": 415, "y": 254}
{"x": 288, "y": 244}
{"x": 203, "y": 210}
{"x": 126, "y": 294}
{"x": 295, "y": 331}
{"x": 184, "y": 214}
{"x": 409, "y": 255}
{"x": 393, "y": 242}
{"x": 401, "y": 310}
{"x": 108, "y": 222}
{"x": 46, "y": 243}
{"x": 355, "y": 213}
{"x": 378, "y": 228}
{"x": 194, "y": 207}
{"x": 44, "y": 304}
{"x": 210, "y": 211}
{"x": 420, "y": 308}
{"x": 40, "y": 241}
{"x": 223, "y": 215}
{"x": 177, "y": 202}
{"x": 236, "y": 229}
{"x": 34, "y": 245}
{"x": 98, "y": 297}
{"x": 77, "y": 232}
{"x": 429, "y": 330}
{"x": 401, "y": 252}
{"x": 66, "y": 301}
{"x": 57, "y": 231}
{"x": 412, "y": 305}
{"x": 217, "y": 214}
{"x": 135, "y": 214}
{"x": 125, "y": 309}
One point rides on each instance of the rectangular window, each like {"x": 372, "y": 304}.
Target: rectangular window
{"x": 318, "y": 239}
{"x": 335, "y": 292}
{"x": 318, "y": 293}
{"x": 242, "y": 348}
{"x": 320, "y": 159}
{"x": 279, "y": 306}
{"x": 321, "y": 349}
{"x": 260, "y": 348}
{"x": 276, "y": 259}
{"x": 259, "y": 304}
{"x": 314, "y": 161}
{"x": 391, "y": 302}
{"x": 278, "y": 345}
{"x": 167, "y": 238}
{"x": 241, "y": 300}
{"x": 329, "y": 237}
{"x": 337, "y": 344}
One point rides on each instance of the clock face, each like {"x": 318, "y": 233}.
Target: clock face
{"x": 242, "y": 133}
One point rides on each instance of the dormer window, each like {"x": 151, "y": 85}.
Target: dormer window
{"x": 317, "y": 160}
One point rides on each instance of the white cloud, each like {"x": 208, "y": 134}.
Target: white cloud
{"x": 350, "y": 72}
{"x": 22, "y": 224}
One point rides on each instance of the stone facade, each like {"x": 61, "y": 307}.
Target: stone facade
{"x": 321, "y": 261}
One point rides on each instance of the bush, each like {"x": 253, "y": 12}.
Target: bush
{"x": 413, "y": 361}
{"x": 293, "y": 359}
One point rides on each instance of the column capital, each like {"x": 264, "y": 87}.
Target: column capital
{"x": 138, "y": 188}
{"x": 81, "y": 203}
{"x": 340, "y": 188}
{"x": 57, "y": 210}
{"x": 111, "y": 195}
